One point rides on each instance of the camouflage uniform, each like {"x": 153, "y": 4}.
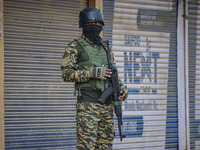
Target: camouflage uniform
{"x": 95, "y": 126}
{"x": 95, "y": 121}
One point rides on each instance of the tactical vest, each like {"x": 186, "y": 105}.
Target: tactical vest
{"x": 93, "y": 57}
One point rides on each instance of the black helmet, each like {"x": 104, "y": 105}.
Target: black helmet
{"x": 90, "y": 15}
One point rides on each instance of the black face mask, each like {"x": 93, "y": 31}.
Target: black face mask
{"x": 92, "y": 33}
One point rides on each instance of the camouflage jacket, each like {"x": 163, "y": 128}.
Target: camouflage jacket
{"x": 69, "y": 71}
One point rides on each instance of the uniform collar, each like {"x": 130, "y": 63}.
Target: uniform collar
{"x": 87, "y": 39}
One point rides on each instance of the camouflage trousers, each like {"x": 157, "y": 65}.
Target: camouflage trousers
{"x": 95, "y": 126}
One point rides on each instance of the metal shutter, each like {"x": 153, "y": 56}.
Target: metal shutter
{"x": 108, "y": 12}
{"x": 144, "y": 44}
{"x": 194, "y": 75}
{"x": 39, "y": 106}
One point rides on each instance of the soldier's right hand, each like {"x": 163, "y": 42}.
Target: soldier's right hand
{"x": 100, "y": 72}
{"x": 108, "y": 73}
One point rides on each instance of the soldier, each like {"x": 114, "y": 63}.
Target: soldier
{"x": 85, "y": 63}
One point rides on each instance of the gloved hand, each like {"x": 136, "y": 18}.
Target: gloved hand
{"x": 98, "y": 72}
{"x": 123, "y": 92}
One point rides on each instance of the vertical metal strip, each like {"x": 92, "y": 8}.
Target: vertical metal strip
{"x": 181, "y": 76}
{"x": 187, "y": 114}
{"x": 96, "y": 3}
{"x": 2, "y": 141}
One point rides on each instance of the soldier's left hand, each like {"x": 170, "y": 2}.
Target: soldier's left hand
{"x": 122, "y": 98}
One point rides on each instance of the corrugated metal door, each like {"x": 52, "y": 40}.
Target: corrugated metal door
{"x": 108, "y": 12}
{"x": 194, "y": 74}
{"x": 144, "y": 44}
{"x": 39, "y": 106}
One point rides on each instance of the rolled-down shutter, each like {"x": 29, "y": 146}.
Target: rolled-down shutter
{"x": 144, "y": 45}
{"x": 39, "y": 106}
{"x": 194, "y": 73}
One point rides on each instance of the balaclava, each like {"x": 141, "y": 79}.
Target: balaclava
{"x": 92, "y": 33}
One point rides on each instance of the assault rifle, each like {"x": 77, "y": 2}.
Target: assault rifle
{"x": 113, "y": 89}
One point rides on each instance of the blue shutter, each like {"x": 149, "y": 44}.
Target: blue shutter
{"x": 143, "y": 36}
{"x": 39, "y": 106}
{"x": 193, "y": 73}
